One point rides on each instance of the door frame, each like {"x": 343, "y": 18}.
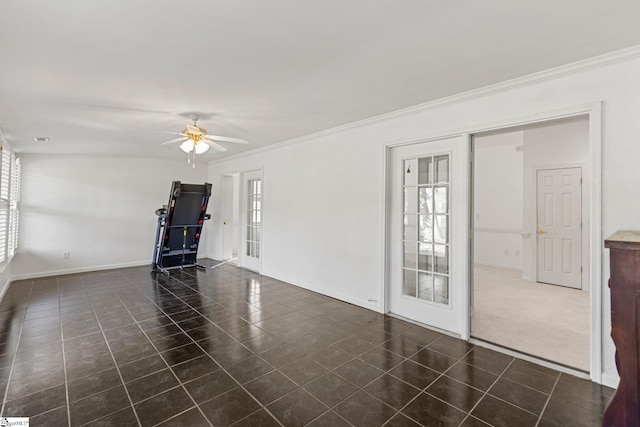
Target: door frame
{"x": 532, "y": 227}
{"x": 230, "y": 197}
{"x": 242, "y": 235}
{"x": 594, "y": 113}
{"x": 463, "y": 264}
{"x": 458, "y": 195}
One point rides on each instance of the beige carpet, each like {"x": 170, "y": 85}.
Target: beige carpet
{"x": 551, "y": 322}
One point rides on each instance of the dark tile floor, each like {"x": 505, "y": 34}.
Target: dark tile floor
{"x": 228, "y": 347}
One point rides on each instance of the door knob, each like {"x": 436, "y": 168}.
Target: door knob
{"x": 540, "y": 231}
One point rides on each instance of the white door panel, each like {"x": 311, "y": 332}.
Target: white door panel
{"x": 559, "y": 213}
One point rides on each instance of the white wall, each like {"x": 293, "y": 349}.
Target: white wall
{"x": 100, "y": 210}
{"x": 498, "y": 199}
{"x": 301, "y": 184}
{"x": 324, "y": 196}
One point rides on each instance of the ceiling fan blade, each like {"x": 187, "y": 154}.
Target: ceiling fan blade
{"x": 171, "y": 133}
{"x": 216, "y": 146}
{"x": 194, "y": 129}
{"x": 181, "y": 139}
{"x": 226, "y": 139}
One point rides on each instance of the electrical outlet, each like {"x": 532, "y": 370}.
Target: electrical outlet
{"x": 65, "y": 255}
{"x": 506, "y": 252}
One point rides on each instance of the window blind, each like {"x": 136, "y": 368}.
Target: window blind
{"x": 5, "y": 170}
{"x": 14, "y": 213}
{"x": 9, "y": 198}
{"x": 5, "y": 178}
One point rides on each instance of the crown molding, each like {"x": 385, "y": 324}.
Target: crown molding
{"x": 109, "y": 156}
{"x": 600, "y": 61}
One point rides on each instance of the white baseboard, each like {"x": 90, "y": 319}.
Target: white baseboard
{"x": 37, "y": 275}
{"x": 488, "y": 264}
{"x": 330, "y": 293}
{"x": 610, "y": 380}
{"x": 4, "y": 287}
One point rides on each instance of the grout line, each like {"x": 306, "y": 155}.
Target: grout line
{"x": 526, "y": 386}
{"x": 548, "y": 400}
{"x": 173, "y": 417}
{"x": 183, "y": 289}
{"x": 513, "y": 359}
{"x": 334, "y": 412}
{"x": 15, "y": 354}
{"x": 64, "y": 357}
{"x": 115, "y": 362}
{"x": 255, "y": 412}
{"x": 513, "y": 404}
{"x": 442, "y": 374}
{"x": 221, "y": 367}
{"x": 274, "y": 370}
{"x": 198, "y": 311}
{"x": 193, "y": 342}
{"x": 362, "y": 389}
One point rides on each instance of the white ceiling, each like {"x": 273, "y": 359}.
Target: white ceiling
{"x": 106, "y": 77}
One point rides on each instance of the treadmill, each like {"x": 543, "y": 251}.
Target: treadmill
{"x": 180, "y": 227}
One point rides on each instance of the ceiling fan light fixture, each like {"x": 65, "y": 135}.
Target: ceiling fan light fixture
{"x": 187, "y": 146}
{"x": 201, "y": 147}
{"x": 195, "y": 140}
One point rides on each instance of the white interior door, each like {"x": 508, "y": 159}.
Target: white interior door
{"x": 559, "y": 218}
{"x": 251, "y": 214}
{"x": 428, "y": 232}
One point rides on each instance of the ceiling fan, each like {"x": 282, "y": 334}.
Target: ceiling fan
{"x": 195, "y": 140}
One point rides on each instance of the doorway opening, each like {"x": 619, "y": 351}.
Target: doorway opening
{"x": 251, "y": 209}
{"x": 241, "y": 195}
{"x": 230, "y": 195}
{"x": 530, "y": 233}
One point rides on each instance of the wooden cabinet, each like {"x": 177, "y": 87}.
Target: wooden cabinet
{"x": 624, "y": 254}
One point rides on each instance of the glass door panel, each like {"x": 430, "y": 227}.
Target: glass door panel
{"x": 425, "y": 264}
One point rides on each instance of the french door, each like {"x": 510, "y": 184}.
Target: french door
{"x": 251, "y": 213}
{"x": 428, "y": 233}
